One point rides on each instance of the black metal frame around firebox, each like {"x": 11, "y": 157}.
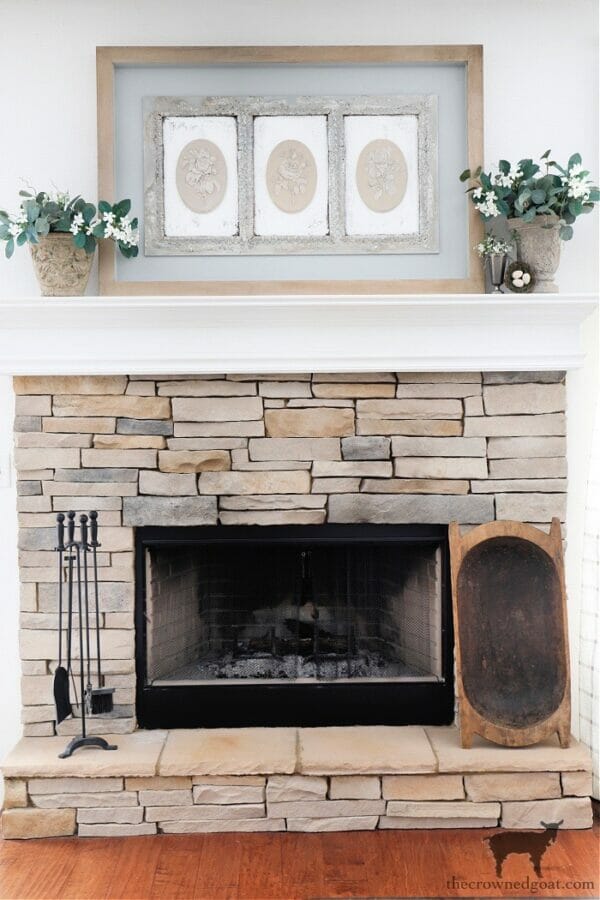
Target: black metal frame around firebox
{"x": 235, "y": 704}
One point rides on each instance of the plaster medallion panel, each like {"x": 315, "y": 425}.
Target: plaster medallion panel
{"x": 200, "y": 176}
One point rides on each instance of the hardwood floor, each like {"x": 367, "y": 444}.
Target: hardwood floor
{"x": 381, "y": 864}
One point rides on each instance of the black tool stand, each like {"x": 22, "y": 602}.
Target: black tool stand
{"x": 80, "y": 548}
{"x": 91, "y": 741}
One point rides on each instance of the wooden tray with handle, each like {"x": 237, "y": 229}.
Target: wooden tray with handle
{"x": 510, "y": 621}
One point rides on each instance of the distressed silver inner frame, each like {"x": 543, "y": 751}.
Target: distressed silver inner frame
{"x": 244, "y": 109}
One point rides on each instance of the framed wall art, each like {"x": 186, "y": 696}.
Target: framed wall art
{"x": 269, "y": 170}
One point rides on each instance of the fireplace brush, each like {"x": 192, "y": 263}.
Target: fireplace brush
{"x": 92, "y": 700}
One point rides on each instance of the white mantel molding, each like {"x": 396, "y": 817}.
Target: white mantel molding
{"x": 185, "y": 335}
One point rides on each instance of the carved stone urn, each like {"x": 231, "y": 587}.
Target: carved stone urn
{"x": 62, "y": 270}
{"x": 539, "y": 247}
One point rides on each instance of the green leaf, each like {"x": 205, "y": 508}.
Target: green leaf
{"x": 485, "y": 181}
{"x": 21, "y": 239}
{"x": 10, "y": 248}
{"x": 529, "y": 214}
{"x": 41, "y": 197}
{"x": 121, "y": 208}
{"x": 566, "y": 232}
{"x": 104, "y": 207}
{"x": 574, "y": 160}
{"x": 33, "y": 211}
{"x": 464, "y": 176}
{"x": 575, "y": 207}
{"x": 587, "y": 208}
{"x": 99, "y": 229}
{"x": 25, "y": 194}
{"x": 538, "y": 196}
{"x": 42, "y": 226}
{"x": 89, "y": 211}
{"x": 594, "y": 195}
{"x": 546, "y": 154}
{"x": 528, "y": 168}
{"x": 90, "y": 244}
{"x": 4, "y": 232}
{"x": 79, "y": 240}
{"x": 64, "y": 223}
{"x": 504, "y": 166}
{"x": 568, "y": 217}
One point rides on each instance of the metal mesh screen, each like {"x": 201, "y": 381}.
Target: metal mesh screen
{"x": 281, "y": 612}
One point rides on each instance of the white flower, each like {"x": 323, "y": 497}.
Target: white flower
{"x": 506, "y": 180}
{"x": 578, "y": 188}
{"x": 515, "y": 173}
{"x": 575, "y": 170}
{"x": 477, "y": 193}
{"x": 487, "y": 206}
{"x": 108, "y": 217}
{"x": 77, "y": 224}
{"x": 15, "y": 229}
{"x": 22, "y": 218}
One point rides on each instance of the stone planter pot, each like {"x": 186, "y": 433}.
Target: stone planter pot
{"x": 540, "y": 248}
{"x": 62, "y": 270}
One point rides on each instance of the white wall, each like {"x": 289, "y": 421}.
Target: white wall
{"x": 10, "y": 692}
{"x": 540, "y": 59}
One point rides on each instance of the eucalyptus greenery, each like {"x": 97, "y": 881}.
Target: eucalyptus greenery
{"x": 44, "y": 213}
{"x": 529, "y": 189}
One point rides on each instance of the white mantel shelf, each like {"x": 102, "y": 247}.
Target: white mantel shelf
{"x": 201, "y": 335}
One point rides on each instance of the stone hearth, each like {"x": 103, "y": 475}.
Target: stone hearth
{"x": 285, "y": 779}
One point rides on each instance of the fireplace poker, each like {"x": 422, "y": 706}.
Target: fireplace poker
{"x": 62, "y": 699}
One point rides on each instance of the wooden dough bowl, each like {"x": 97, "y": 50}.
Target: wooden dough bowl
{"x": 510, "y": 621}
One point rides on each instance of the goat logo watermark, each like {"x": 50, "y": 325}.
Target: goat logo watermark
{"x": 533, "y": 843}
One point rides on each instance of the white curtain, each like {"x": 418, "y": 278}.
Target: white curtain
{"x": 589, "y": 666}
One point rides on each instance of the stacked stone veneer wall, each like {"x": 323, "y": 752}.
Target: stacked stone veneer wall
{"x": 199, "y": 450}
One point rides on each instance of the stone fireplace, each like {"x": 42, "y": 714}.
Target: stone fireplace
{"x": 223, "y": 455}
{"x": 274, "y": 553}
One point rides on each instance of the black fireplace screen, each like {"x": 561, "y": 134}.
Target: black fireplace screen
{"x": 290, "y": 606}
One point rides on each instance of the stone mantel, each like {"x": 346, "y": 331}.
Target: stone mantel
{"x": 181, "y": 335}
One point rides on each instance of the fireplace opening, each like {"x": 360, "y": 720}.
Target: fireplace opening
{"x": 293, "y": 625}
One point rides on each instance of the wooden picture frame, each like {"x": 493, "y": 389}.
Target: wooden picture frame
{"x": 108, "y": 59}
{"x": 511, "y": 636}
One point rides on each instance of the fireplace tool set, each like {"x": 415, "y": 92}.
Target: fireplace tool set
{"x": 74, "y": 555}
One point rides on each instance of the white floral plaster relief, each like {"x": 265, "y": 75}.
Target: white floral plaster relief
{"x": 402, "y": 131}
{"x": 178, "y": 132}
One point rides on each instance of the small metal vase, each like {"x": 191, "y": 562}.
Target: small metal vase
{"x": 496, "y": 266}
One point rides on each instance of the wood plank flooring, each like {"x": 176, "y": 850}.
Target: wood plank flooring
{"x": 383, "y": 864}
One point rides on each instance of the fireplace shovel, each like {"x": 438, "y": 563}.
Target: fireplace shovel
{"x": 62, "y": 699}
